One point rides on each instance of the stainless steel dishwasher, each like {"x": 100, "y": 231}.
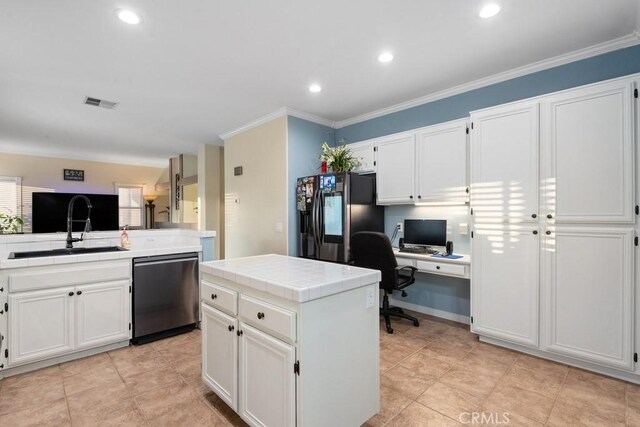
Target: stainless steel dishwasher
{"x": 165, "y": 296}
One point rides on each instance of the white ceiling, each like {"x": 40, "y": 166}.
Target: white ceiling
{"x": 196, "y": 69}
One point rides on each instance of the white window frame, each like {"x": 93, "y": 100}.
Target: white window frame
{"x": 142, "y": 209}
{"x": 17, "y": 180}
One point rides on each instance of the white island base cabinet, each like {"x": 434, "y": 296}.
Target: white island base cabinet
{"x": 279, "y": 362}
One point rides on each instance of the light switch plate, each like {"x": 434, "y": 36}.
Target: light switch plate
{"x": 463, "y": 229}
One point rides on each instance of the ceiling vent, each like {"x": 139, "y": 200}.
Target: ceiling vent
{"x": 100, "y": 103}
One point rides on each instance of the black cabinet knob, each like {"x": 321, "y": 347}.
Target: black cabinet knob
{"x": 411, "y": 197}
{"x": 231, "y": 328}
{"x": 260, "y": 315}
{"x": 534, "y": 216}
{"x": 548, "y": 233}
{"x": 214, "y": 296}
{"x": 437, "y": 267}
{"x": 239, "y": 332}
{"x": 419, "y": 197}
{"x": 549, "y": 216}
{"x": 79, "y": 293}
{"x": 71, "y": 294}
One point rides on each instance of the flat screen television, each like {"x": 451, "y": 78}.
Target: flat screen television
{"x": 49, "y": 212}
{"x": 425, "y": 232}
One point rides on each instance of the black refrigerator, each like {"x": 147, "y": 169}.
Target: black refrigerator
{"x": 331, "y": 208}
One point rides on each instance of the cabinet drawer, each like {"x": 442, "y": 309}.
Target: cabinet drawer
{"x": 268, "y": 317}
{"x": 220, "y": 297}
{"x": 441, "y": 268}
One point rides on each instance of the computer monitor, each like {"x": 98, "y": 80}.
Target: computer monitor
{"x": 425, "y": 232}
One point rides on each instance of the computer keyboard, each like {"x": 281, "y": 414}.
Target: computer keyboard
{"x": 418, "y": 250}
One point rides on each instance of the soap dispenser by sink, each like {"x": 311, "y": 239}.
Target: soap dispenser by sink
{"x": 124, "y": 238}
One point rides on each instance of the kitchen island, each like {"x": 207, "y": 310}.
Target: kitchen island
{"x": 290, "y": 341}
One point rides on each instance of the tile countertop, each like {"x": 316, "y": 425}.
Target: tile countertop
{"x": 104, "y": 256}
{"x": 143, "y": 243}
{"x": 295, "y": 279}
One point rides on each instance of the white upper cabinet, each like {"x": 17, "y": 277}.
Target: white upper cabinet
{"x": 396, "y": 169}
{"x": 364, "y": 152}
{"x": 589, "y": 154}
{"x": 504, "y": 163}
{"x": 441, "y": 163}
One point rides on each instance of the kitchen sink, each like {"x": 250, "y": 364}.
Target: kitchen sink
{"x": 71, "y": 251}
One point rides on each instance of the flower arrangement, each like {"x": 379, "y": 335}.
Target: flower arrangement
{"x": 10, "y": 223}
{"x": 338, "y": 158}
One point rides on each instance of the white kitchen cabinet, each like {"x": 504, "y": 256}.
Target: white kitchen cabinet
{"x": 585, "y": 253}
{"x": 505, "y": 288}
{"x": 102, "y": 313}
{"x": 364, "y": 152}
{"x": 589, "y": 294}
{"x": 220, "y": 361}
{"x": 589, "y": 154}
{"x": 267, "y": 380}
{"x": 396, "y": 169}
{"x": 41, "y": 324}
{"x": 48, "y": 323}
{"x": 504, "y": 162}
{"x": 441, "y": 163}
{"x": 293, "y": 364}
{"x": 59, "y": 310}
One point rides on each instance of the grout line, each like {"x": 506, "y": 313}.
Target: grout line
{"x": 555, "y": 401}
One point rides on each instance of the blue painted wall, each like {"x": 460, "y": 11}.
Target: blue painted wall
{"x": 304, "y": 141}
{"x": 607, "y": 66}
{"x": 449, "y": 294}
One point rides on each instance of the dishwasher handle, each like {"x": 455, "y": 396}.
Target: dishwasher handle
{"x": 163, "y": 259}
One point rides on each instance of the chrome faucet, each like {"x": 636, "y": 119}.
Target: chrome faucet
{"x": 70, "y": 220}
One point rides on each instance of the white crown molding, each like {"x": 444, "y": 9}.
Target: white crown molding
{"x": 284, "y": 111}
{"x": 310, "y": 117}
{"x": 588, "y": 52}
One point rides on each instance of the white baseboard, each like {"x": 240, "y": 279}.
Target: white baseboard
{"x": 430, "y": 311}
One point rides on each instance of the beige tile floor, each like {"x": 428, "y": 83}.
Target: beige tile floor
{"x": 437, "y": 374}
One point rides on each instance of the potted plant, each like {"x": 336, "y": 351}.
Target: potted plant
{"x": 338, "y": 158}
{"x": 10, "y": 224}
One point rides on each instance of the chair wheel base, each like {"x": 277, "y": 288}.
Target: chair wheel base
{"x": 416, "y": 323}
{"x": 389, "y": 330}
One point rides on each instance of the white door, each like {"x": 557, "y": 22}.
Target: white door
{"x": 102, "y": 313}
{"x": 505, "y": 283}
{"x": 441, "y": 168}
{"x": 589, "y": 154}
{"x": 396, "y": 166}
{"x": 363, "y": 151}
{"x": 40, "y": 325}
{"x": 267, "y": 380}
{"x": 220, "y": 354}
{"x": 588, "y": 294}
{"x": 504, "y": 162}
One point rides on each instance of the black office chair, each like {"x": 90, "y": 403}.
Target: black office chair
{"x": 373, "y": 250}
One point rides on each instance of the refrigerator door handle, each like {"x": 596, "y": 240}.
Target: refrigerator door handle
{"x": 315, "y": 219}
{"x": 321, "y": 217}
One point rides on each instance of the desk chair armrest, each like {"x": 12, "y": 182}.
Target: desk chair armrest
{"x": 409, "y": 276}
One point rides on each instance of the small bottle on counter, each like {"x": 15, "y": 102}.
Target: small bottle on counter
{"x": 124, "y": 238}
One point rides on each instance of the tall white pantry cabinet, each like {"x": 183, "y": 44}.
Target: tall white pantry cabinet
{"x": 553, "y": 198}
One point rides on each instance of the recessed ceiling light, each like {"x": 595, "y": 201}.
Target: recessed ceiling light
{"x": 489, "y": 10}
{"x": 128, "y": 16}
{"x": 385, "y": 57}
{"x": 315, "y": 88}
